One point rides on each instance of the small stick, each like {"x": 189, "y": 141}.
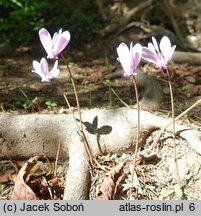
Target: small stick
{"x": 57, "y": 158}
{"x": 178, "y": 117}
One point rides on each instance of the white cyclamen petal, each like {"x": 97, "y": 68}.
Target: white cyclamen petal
{"x": 66, "y": 35}
{"x": 137, "y": 54}
{"x": 55, "y": 72}
{"x": 44, "y": 66}
{"x": 172, "y": 52}
{"x": 155, "y": 44}
{"x": 124, "y": 57}
{"x": 149, "y": 55}
{"x": 36, "y": 67}
{"x": 165, "y": 47}
{"x": 46, "y": 41}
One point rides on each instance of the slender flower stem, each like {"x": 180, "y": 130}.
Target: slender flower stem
{"x": 81, "y": 130}
{"x": 75, "y": 91}
{"x": 173, "y": 126}
{"x": 138, "y": 127}
{"x": 66, "y": 100}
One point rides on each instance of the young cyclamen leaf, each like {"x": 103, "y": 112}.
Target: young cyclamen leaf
{"x": 41, "y": 68}
{"x": 159, "y": 55}
{"x": 53, "y": 46}
{"x": 129, "y": 58}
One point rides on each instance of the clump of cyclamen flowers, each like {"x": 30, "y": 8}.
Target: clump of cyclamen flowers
{"x": 159, "y": 56}
{"x": 53, "y": 46}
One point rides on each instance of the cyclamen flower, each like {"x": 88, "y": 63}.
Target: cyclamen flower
{"x": 129, "y": 59}
{"x": 53, "y": 46}
{"x": 41, "y": 68}
{"x": 159, "y": 56}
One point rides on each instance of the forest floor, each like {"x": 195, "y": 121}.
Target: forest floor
{"x": 21, "y": 92}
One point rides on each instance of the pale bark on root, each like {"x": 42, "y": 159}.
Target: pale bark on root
{"x": 111, "y": 130}
{"x": 190, "y": 58}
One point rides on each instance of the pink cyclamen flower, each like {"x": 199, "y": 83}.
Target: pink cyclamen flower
{"x": 159, "y": 56}
{"x": 129, "y": 58}
{"x": 41, "y": 68}
{"x": 53, "y": 46}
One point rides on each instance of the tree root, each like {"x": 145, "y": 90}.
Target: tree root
{"x": 106, "y": 130}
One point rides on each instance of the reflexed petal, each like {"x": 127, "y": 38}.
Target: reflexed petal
{"x": 149, "y": 55}
{"x": 124, "y": 57}
{"x": 45, "y": 71}
{"x": 165, "y": 43}
{"x": 60, "y": 42}
{"x": 132, "y": 63}
{"x": 54, "y": 38}
{"x": 172, "y": 52}
{"x": 44, "y": 66}
{"x": 36, "y": 67}
{"x": 46, "y": 41}
{"x": 166, "y": 49}
{"x": 151, "y": 47}
{"x": 59, "y": 45}
{"x": 55, "y": 71}
{"x": 55, "y": 64}
{"x": 137, "y": 54}
{"x": 155, "y": 44}
{"x": 66, "y": 35}
{"x": 60, "y": 31}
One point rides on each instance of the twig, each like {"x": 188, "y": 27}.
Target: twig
{"x": 178, "y": 117}
{"x": 57, "y": 157}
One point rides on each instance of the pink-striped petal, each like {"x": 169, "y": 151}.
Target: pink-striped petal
{"x": 46, "y": 41}
{"x": 155, "y": 44}
{"x": 149, "y": 55}
{"x": 137, "y": 54}
{"x": 59, "y": 45}
{"x": 124, "y": 57}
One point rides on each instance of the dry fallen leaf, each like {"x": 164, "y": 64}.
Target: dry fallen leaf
{"x": 21, "y": 190}
{"x": 111, "y": 182}
{"x": 7, "y": 176}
